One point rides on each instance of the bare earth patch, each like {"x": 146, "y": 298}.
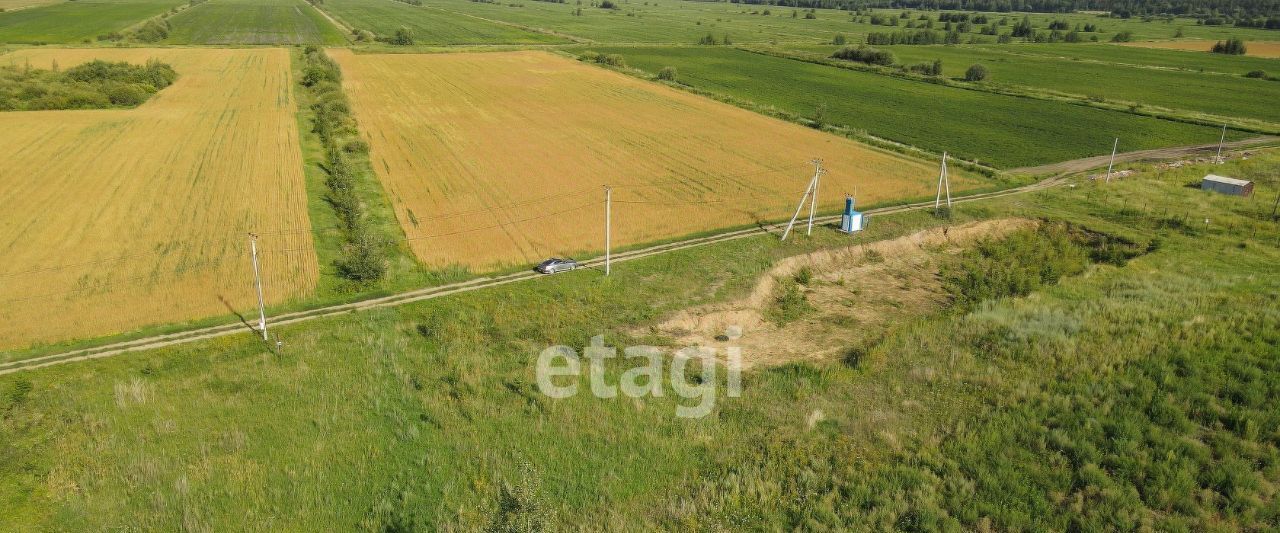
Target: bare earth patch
{"x": 856, "y": 293}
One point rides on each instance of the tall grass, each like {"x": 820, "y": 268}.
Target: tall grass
{"x": 1134, "y": 396}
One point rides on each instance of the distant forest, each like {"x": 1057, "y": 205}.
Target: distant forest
{"x": 1223, "y": 12}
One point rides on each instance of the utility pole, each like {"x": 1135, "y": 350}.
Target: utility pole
{"x": 257, "y": 282}
{"x": 608, "y": 219}
{"x": 813, "y": 199}
{"x": 944, "y": 179}
{"x": 813, "y": 184}
{"x": 1220, "y": 140}
{"x": 1113, "y": 158}
{"x": 1275, "y": 206}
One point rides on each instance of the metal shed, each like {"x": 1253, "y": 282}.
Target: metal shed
{"x": 1225, "y": 185}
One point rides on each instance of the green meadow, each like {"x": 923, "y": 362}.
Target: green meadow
{"x": 1088, "y": 403}
{"x": 1231, "y": 96}
{"x": 1132, "y": 55}
{"x": 1003, "y": 131}
{"x": 76, "y": 22}
{"x": 429, "y": 25}
{"x": 253, "y": 22}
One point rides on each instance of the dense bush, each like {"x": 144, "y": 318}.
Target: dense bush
{"x": 976, "y": 72}
{"x": 92, "y": 85}
{"x": 667, "y": 74}
{"x": 1232, "y": 46}
{"x": 928, "y": 69}
{"x": 154, "y": 30}
{"x": 865, "y": 54}
{"x": 1015, "y": 265}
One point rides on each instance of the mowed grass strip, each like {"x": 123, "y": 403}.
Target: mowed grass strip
{"x": 1232, "y": 96}
{"x": 254, "y": 22}
{"x": 429, "y": 25}
{"x": 1004, "y": 131}
{"x": 118, "y": 219}
{"x": 494, "y": 159}
{"x": 75, "y": 22}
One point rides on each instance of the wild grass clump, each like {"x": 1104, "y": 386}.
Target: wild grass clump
{"x": 364, "y": 251}
{"x": 93, "y": 85}
{"x": 1015, "y": 265}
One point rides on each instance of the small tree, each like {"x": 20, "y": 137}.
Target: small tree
{"x": 838, "y": 40}
{"x": 820, "y": 115}
{"x": 403, "y": 37}
{"x": 976, "y": 72}
{"x": 667, "y": 74}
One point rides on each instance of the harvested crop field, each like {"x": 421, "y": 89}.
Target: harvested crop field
{"x": 498, "y": 158}
{"x": 115, "y": 219}
{"x": 1268, "y": 49}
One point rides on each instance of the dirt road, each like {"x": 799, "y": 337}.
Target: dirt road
{"x": 1081, "y": 165}
{"x": 236, "y": 328}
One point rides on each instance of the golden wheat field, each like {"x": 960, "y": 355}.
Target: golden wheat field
{"x": 115, "y": 219}
{"x": 499, "y": 158}
{"x": 1270, "y": 49}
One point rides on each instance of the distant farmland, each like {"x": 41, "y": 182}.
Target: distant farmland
{"x": 430, "y": 25}
{"x": 499, "y": 158}
{"x": 1231, "y": 96}
{"x": 117, "y": 219}
{"x": 74, "y": 22}
{"x": 253, "y": 22}
{"x": 1004, "y": 131}
{"x": 1268, "y": 49}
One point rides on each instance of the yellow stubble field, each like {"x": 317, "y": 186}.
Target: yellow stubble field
{"x": 1269, "y": 49}
{"x": 499, "y": 158}
{"x": 111, "y": 220}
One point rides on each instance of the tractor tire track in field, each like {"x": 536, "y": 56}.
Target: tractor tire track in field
{"x": 198, "y": 334}
{"x": 1177, "y": 152}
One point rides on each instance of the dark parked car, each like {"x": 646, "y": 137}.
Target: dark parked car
{"x": 556, "y": 264}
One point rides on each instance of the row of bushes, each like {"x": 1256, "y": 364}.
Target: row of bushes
{"x": 885, "y": 58}
{"x": 93, "y": 85}
{"x": 364, "y": 251}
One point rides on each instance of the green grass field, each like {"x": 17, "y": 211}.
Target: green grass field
{"x": 1231, "y": 96}
{"x": 677, "y": 22}
{"x": 253, "y": 22}
{"x": 429, "y": 25}
{"x": 1178, "y": 59}
{"x": 76, "y": 22}
{"x": 1003, "y": 131}
{"x": 1091, "y": 404}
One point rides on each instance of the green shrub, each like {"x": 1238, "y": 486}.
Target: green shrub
{"x": 976, "y": 72}
{"x": 865, "y": 54}
{"x": 92, "y": 85}
{"x": 1232, "y": 46}
{"x": 667, "y": 74}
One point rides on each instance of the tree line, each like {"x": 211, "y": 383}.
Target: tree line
{"x": 364, "y": 250}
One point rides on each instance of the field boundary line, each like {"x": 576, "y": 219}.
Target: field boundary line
{"x": 416, "y": 295}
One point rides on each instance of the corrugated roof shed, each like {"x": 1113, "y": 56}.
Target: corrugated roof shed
{"x": 1228, "y": 181}
{"x": 1225, "y": 185}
